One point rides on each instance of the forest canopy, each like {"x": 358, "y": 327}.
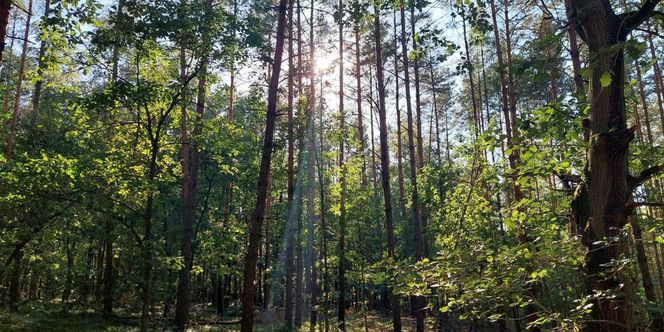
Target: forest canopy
{"x": 344, "y": 165}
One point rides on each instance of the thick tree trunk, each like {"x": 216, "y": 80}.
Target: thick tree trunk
{"x": 256, "y": 223}
{"x": 15, "y": 282}
{"x": 5, "y": 8}
{"x": 602, "y": 205}
{"x": 385, "y": 164}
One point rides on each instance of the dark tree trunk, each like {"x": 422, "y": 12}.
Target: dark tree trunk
{"x": 418, "y": 301}
{"x": 385, "y": 164}
{"x": 5, "y": 8}
{"x": 256, "y": 222}
{"x": 341, "y": 306}
{"x": 15, "y": 282}
{"x": 41, "y": 65}
{"x": 603, "y": 203}
{"x": 291, "y": 181}
{"x": 109, "y": 272}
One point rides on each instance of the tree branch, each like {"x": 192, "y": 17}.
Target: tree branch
{"x": 632, "y": 20}
{"x": 646, "y": 175}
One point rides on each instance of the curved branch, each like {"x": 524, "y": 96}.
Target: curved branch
{"x": 646, "y": 175}
{"x": 633, "y": 20}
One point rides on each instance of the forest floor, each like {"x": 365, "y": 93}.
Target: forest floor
{"x": 61, "y": 318}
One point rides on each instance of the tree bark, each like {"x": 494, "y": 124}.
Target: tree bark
{"x": 385, "y": 164}
{"x": 19, "y": 83}
{"x": 341, "y": 305}
{"x": 419, "y": 302}
{"x": 256, "y": 223}
{"x": 602, "y": 204}
{"x": 5, "y": 8}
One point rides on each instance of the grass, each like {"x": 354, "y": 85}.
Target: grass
{"x": 46, "y": 317}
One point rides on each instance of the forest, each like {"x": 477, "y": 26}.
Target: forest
{"x": 332, "y": 165}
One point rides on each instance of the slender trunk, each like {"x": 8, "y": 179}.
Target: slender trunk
{"x": 41, "y": 65}
{"x": 402, "y": 193}
{"x": 299, "y": 263}
{"x": 574, "y": 50}
{"x": 659, "y": 83}
{"x": 69, "y": 272}
{"x": 190, "y": 170}
{"x": 341, "y": 315}
{"x": 419, "y": 302}
{"x": 313, "y": 284}
{"x": 146, "y": 295}
{"x": 109, "y": 272}
{"x": 385, "y": 165}
{"x": 371, "y": 127}
{"x": 291, "y": 183}
{"x": 360, "y": 117}
{"x": 471, "y": 79}
{"x": 657, "y": 323}
{"x": 256, "y": 223}
{"x": 644, "y": 101}
{"x": 19, "y": 82}
{"x": 416, "y": 76}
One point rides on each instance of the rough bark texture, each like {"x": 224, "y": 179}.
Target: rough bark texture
{"x": 5, "y": 8}
{"x": 602, "y": 203}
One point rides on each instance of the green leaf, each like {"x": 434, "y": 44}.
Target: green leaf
{"x": 606, "y": 79}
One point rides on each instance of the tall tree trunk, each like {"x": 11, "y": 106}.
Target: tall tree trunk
{"x": 146, "y": 295}
{"x": 190, "y": 170}
{"x": 341, "y": 309}
{"x": 256, "y": 223}
{"x": 385, "y": 164}
{"x": 299, "y": 263}
{"x": 471, "y": 79}
{"x": 574, "y": 51}
{"x": 419, "y": 302}
{"x": 402, "y": 193}
{"x": 19, "y": 83}
{"x": 360, "y": 117}
{"x": 313, "y": 284}
{"x": 648, "y": 287}
{"x": 603, "y": 202}
{"x": 416, "y": 76}
{"x": 41, "y": 65}
{"x": 291, "y": 183}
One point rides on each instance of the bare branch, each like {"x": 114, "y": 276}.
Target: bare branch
{"x": 633, "y": 20}
{"x": 646, "y": 175}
